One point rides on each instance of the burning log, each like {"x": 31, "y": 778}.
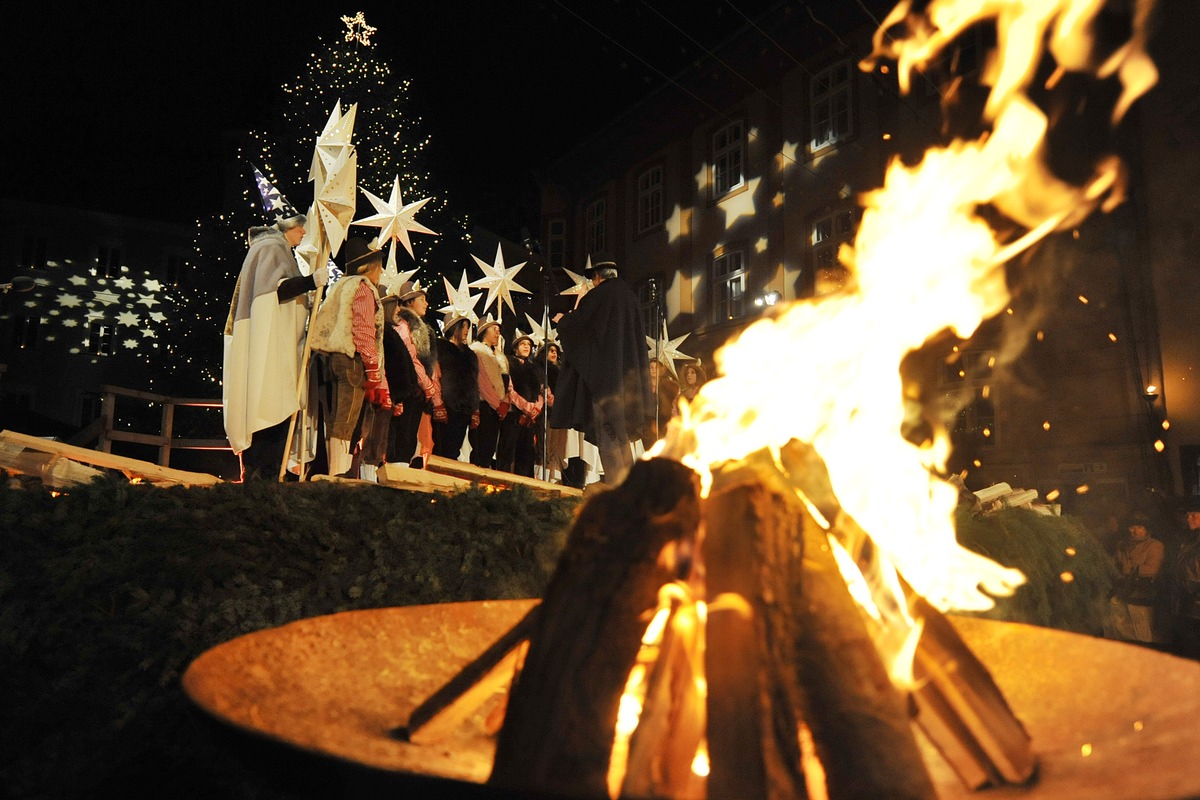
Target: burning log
{"x": 860, "y": 722}
{"x": 663, "y": 749}
{"x": 751, "y": 550}
{"x": 558, "y": 732}
{"x": 959, "y": 707}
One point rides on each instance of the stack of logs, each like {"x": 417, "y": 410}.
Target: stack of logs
{"x": 798, "y": 702}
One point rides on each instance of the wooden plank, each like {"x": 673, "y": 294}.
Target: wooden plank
{"x": 450, "y": 705}
{"x": 402, "y": 476}
{"x": 130, "y": 466}
{"x": 134, "y": 393}
{"x": 495, "y": 477}
{"x": 152, "y": 439}
{"x": 54, "y": 471}
{"x": 201, "y": 444}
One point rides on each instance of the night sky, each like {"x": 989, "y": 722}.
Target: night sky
{"x": 121, "y": 107}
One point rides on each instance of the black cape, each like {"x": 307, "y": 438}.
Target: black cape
{"x": 606, "y": 362}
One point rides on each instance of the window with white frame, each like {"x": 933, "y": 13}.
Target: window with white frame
{"x": 100, "y": 338}
{"x": 829, "y": 233}
{"x": 728, "y": 153}
{"x": 729, "y": 285}
{"x": 556, "y": 244}
{"x": 25, "y": 331}
{"x": 830, "y": 99}
{"x": 595, "y": 237}
{"x": 108, "y": 262}
{"x": 176, "y": 266}
{"x": 650, "y": 199}
{"x": 33, "y": 253}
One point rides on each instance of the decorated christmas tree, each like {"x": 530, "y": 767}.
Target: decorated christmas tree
{"x": 345, "y": 67}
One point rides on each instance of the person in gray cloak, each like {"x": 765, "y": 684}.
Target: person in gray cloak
{"x": 264, "y": 337}
{"x": 604, "y": 387}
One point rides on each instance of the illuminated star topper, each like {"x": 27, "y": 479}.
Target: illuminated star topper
{"x": 462, "y": 302}
{"x": 498, "y": 280}
{"x": 395, "y": 220}
{"x": 357, "y": 29}
{"x": 666, "y": 350}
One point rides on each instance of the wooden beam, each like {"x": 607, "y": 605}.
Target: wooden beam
{"x": 402, "y": 476}
{"x": 495, "y": 477}
{"x": 459, "y": 697}
{"x": 131, "y": 467}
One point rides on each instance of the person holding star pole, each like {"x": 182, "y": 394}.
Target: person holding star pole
{"x": 263, "y": 337}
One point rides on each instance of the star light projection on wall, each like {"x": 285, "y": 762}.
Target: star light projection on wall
{"x": 90, "y": 314}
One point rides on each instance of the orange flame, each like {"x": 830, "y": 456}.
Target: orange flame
{"x": 844, "y": 350}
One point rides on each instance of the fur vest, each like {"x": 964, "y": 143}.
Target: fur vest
{"x": 526, "y": 379}
{"x": 422, "y": 336}
{"x": 332, "y": 332}
{"x": 493, "y": 366}
{"x": 460, "y": 376}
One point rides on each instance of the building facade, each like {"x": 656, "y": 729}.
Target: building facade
{"x": 736, "y": 184}
{"x": 104, "y": 287}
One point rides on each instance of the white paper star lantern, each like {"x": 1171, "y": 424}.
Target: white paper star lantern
{"x": 335, "y": 201}
{"x": 332, "y": 145}
{"x": 395, "y": 221}
{"x": 667, "y": 350}
{"x": 499, "y": 282}
{"x": 539, "y": 334}
{"x": 461, "y": 300}
{"x": 582, "y": 284}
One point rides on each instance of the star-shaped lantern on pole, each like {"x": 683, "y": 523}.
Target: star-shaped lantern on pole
{"x": 332, "y": 144}
{"x": 461, "y": 300}
{"x": 581, "y": 284}
{"x": 666, "y": 350}
{"x": 395, "y": 221}
{"x": 541, "y": 334}
{"x": 498, "y": 280}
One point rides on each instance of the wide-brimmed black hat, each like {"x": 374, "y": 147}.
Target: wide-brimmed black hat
{"x": 359, "y": 256}
{"x": 601, "y": 261}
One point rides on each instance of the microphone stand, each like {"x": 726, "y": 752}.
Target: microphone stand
{"x": 534, "y": 250}
{"x": 656, "y": 299}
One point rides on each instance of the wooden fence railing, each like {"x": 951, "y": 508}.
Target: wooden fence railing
{"x": 104, "y": 432}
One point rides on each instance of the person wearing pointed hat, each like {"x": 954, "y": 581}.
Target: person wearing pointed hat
{"x": 604, "y": 388}
{"x": 514, "y": 451}
{"x": 493, "y": 392}
{"x": 410, "y": 360}
{"x": 264, "y": 334}
{"x": 349, "y": 331}
{"x": 457, "y": 374}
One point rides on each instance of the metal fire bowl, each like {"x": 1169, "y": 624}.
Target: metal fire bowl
{"x": 1108, "y": 720}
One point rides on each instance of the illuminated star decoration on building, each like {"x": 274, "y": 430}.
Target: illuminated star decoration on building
{"x": 582, "y": 285}
{"x": 498, "y": 280}
{"x": 666, "y": 350}
{"x": 395, "y": 220}
{"x": 539, "y": 334}
{"x": 357, "y": 29}
{"x": 461, "y": 301}
{"x": 74, "y": 315}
